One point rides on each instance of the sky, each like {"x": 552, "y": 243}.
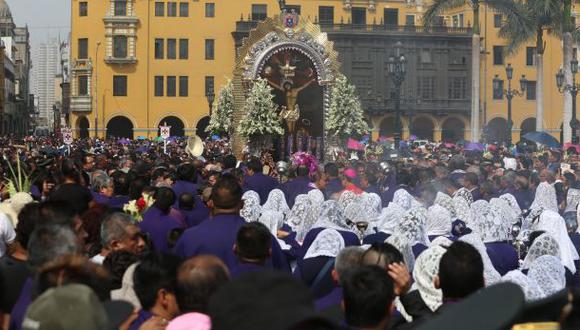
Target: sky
{"x": 45, "y": 18}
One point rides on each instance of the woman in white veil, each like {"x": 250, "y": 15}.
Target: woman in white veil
{"x": 389, "y": 220}
{"x": 552, "y": 223}
{"x": 298, "y": 212}
{"x": 252, "y": 209}
{"x": 312, "y": 214}
{"x": 490, "y": 274}
{"x": 425, "y": 270}
{"x": 438, "y": 222}
{"x": 277, "y": 202}
{"x": 549, "y": 273}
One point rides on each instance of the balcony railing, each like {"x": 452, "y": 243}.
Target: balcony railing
{"x": 81, "y": 103}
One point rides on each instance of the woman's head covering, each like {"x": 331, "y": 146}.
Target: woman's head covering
{"x": 413, "y": 226}
{"x": 403, "y": 245}
{"x": 462, "y": 209}
{"x": 552, "y": 223}
{"x": 331, "y": 216}
{"x": 465, "y": 194}
{"x": 531, "y": 289}
{"x": 549, "y": 273}
{"x": 545, "y": 198}
{"x": 490, "y": 274}
{"x": 346, "y": 198}
{"x": 327, "y": 243}
{"x": 390, "y": 218}
{"x": 446, "y": 201}
{"x": 489, "y": 221}
{"x": 439, "y": 221}
{"x": 543, "y": 245}
{"x": 502, "y": 208}
{"x": 513, "y": 204}
{"x": 298, "y": 213}
{"x": 572, "y": 200}
{"x": 425, "y": 270}
{"x": 404, "y": 199}
{"x": 252, "y": 209}
{"x": 371, "y": 204}
{"x": 316, "y": 199}
{"x": 274, "y": 221}
{"x": 277, "y": 202}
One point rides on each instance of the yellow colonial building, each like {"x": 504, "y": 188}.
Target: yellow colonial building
{"x": 138, "y": 64}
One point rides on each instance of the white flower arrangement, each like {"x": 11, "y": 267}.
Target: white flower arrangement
{"x": 346, "y": 115}
{"x": 260, "y": 112}
{"x": 221, "y": 117}
{"x": 137, "y": 207}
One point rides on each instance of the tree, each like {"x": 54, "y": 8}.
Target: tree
{"x": 221, "y": 118}
{"x": 261, "y": 119}
{"x": 540, "y": 17}
{"x": 506, "y": 7}
{"x": 345, "y": 115}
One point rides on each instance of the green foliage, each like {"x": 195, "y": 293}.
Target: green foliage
{"x": 221, "y": 118}
{"x": 260, "y": 112}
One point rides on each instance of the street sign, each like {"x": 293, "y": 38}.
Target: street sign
{"x": 165, "y": 132}
{"x": 67, "y": 136}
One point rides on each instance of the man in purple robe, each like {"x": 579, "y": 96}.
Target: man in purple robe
{"x": 217, "y": 234}
{"x": 258, "y": 182}
{"x": 158, "y": 221}
{"x": 253, "y": 248}
{"x": 297, "y": 186}
{"x": 334, "y": 184}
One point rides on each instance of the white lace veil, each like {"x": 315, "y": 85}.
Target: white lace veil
{"x": 331, "y": 216}
{"x": 298, "y": 212}
{"x": 274, "y": 220}
{"x": 513, "y": 204}
{"x": 572, "y": 200}
{"x": 413, "y": 226}
{"x": 327, "y": 243}
{"x": 439, "y": 221}
{"x": 552, "y": 223}
{"x": 252, "y": 209}
{"x": 462, "y": 210}
{"x": 489, "y": 221}
{"x": 390, "y": 218}
{"x": 531, "y": 289}
{"x": 490, "y": 274}
{"x": 543, "y": 245}
{"x": 426, "y": 268}
{"x": 545, "y": 198}
{"x": 465, "y": 194}
{"x": 404, "y": 199}
{"x": 277, "y": 202}
{"x": 316, "y": 199}
{"x": 446, "y": 201}
{"x": 403, "y": 245}
{"x": 549, "y": 273}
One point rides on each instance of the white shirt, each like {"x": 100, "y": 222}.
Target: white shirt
{"x": 7, "y": 233}
{"x": 98, "y": 259}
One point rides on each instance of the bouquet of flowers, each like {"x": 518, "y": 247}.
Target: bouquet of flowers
{"x": 305, "y": 159}
{"x": 137, "y": 207}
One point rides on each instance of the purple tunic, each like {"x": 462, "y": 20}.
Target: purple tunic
{"x": 19, "y": 309}
{"x": 158, "y": 226}
{"x": 117, "y": 202}
{"x": 334, "y": 298}
{"x": 350, "y": 239}
{"x": 182, "y": 187}
{"x": 332, "y": 187}
{"x": 142, "y": 317}
{"x": 418, "y": 249}
{"x": 379, "y": 237}
{"x": 241, "y": 269}
{"x": 503, "y": 255}
{"x": 260, "y": 183}
{"x": 295, "y": 187}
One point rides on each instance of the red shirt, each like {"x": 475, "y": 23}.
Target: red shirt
{"x": 352, "y": 187}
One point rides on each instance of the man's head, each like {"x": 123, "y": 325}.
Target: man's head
{"x": 155, "y": 282}
{"x": 27, "y": 220}
{"x": 103, "y": 184}
{"x": 48, "y": 242}
{"x": 119, "y": 233}
{"x": 230, "y": 162}
{"x": 254, "y": 166}
{"x": 197, "y": 280}
{"x": 470, "y": 180}
{"x": 331, "y": 169}
{"x": 347, "y": 260}
{"x": 164, "y": 199}
{"x": 382, "y": 255}
{"x": 368, "y": 297}
{"x": 186, "y": 172}
{"x": 460, "y": 271}
{"x": 226, "y": 196}
{"x": 253, "y": 243}
{"x": 186, "y": 202}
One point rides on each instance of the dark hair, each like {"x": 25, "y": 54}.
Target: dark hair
{"x": 136, "y": 188}
{"x": 471, "y": 178}
{"x": 533, "y": 235}
{"x": 534, "y": 179}
{"x": 121, "y": 184}
{"x": 49, "y": 242}
{"x": 253, "y": 241}
{"x": 92, "y": 220}
{"x": 302, "y": 171}
{"x": 457, "y": 162}
{"x": 198, "y": 279}
{"x": 368, "y": 296}
{"x": 58, "y": 213}
{"x": 227, "y": 193}
{"x": 69, "y": 170}
{"x": 117, "y": 263}
{"x": 156, "y": 272}
{"x": 27, "y": 220}
{"x": 460, "y": 271}
{"x": 331, "y": 169}
{"x": 164, "y": 199}
{"x": 230, "y": 161}
{"x": 186, "y": 202}
{"x": 386, "y": 255}
{"x": 173, "y": 236}
{"x": 186, "y": 172}
{"x": 255, "y": 165}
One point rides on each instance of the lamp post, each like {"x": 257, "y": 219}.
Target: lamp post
{"x": 96, "y": 90}
{"x": 397, "y": 69}
{"x": 573, "y": 89}
{"x": 210, "y": 96}
{"x": 509, "y": 95}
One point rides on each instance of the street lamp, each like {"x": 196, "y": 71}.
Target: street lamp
{"x": 397, "y": 69}
{"x": 509, "y": 94}
{"x": 573, "y": 89}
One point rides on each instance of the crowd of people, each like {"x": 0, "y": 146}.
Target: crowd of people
{"x": 120, "y": 234}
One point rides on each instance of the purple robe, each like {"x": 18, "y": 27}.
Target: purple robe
{"x": 260, "y": 183}
{"x": 418, "y": 249}
{"x": 503, "y": 255}
{"x": 216, "y": 236}
{"x": 100, "y": 198}
{"x": 117, "y": 202}
{"x": 379, "y": 237}
{"x": 390, "y": 188}
{"x": 524, "y": 197}
{"x": 158, "y": 226}
{"x": 334, "y": 298}
{"x": 350, "y": 239}
{"x": 476, "y": 194}
{"x": 142, "y": 317}
{"x": 21, "y": 305}
{"x": 308, "y": 270}
{"x": 241, "y": 269}
{"x": 332, "y": 187}
{"x": 295, "y": 187}
{"x": 195, "y": 216}
{"x": 182, "y": 187}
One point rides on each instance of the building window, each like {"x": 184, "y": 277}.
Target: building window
{"x": 410, "y": 20}
{"x": 497, "y": 18}
{"x": 531, "y": 90}
{"x": 458, "y": 21}
{"x": 183, "y": 9}
{"x": 259, "y": 12}
{"x": 120, "y": 8}
{"x": 359, "y": 16}
{"x": 171, "y": 49}
{"x": 458, "y": 88}
{"x": 296, "y": 8}
{"x": 119, "y": 47}
{"x": 158, "y": 85}
{"x": 183, "y": 49}
{"x": 83, "y": 85}
{"x": 171, "y": 85}
{"x": 209, "y": 85}
{"x": 159, "y": 43}
{"x": 498, "y": 57}
{"x": 210, "y": 9}
{"x": 530, "y": 53}
{"x": 172, "y": 9}
{"x": 83, "y": 8}
{"x": 209, "y": 49}
{"x": 425, "y": 56}
{"x": 498, "y": 93}
{"x": 183, "y": 86}
{"x": 160, "y": 9}
{"x": 326, "y": 15}
{"x": 391, "y": 16}
{"x": 83, "y": 51}
{"x": 426, "y": 87}
{"x": 119, "y": 85}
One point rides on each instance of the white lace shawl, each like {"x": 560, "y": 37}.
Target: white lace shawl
{"x": 543, "y": 245}
{"x": 425, "y": 270}
{"x": 403, "y": 245}
{"x": 316, "y": 199}
{"x": 545, "y": 198}
{"x": 328, "y": 243}
{"x": 549, "y": 273}
{"x": 390, "y": 218}
{"x": 531, "y": 289}
{"x": 413, "y": 226}
{"x": 404, "y": 199}
{"x": 298, "y": 212}
{"x": 446, "y": 201}
{"x": 277, "y": 202}
{"x": 274, "y": 221}
{"x": 552, "y": 223}
{"x": 252, "y": 209}
{"x": 438, "y": 221}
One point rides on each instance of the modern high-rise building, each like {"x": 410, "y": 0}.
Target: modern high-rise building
{"x": 138, "y": 64}
{"x": 46, "y": 62}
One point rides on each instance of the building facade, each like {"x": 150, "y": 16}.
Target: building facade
{"x": 45, "y": 71}
{"x": 138, "y": 64}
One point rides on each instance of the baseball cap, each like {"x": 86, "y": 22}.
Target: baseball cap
{"x": 74, "y": 306}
